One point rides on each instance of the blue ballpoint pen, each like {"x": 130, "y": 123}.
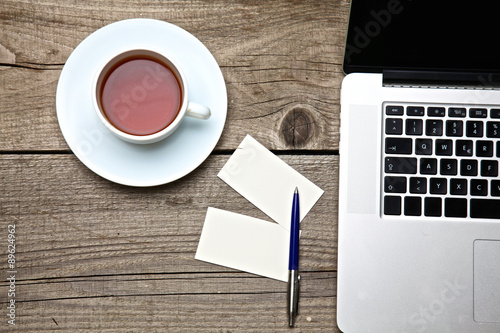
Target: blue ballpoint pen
{"x": 293, "y": 261}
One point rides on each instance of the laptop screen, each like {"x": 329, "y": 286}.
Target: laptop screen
{"x": 423, "y": 35}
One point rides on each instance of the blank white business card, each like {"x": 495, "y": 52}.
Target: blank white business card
{"x": 244, "y": 243}
{"x": 268, "y": 182}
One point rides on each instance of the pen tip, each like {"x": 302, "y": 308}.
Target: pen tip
{"x": 296, "y": 190}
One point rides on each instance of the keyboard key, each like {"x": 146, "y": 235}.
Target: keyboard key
{"x": 394, "y": 110}
{"x": 463, "y": 148}
{"x": 448, "y": 167}
{"x": 415, "y": 110}
{"x": 457, "y": 112}
{"x": 498, "y": 148}
{"x": 438, "y": 186}
{"x": 434, "y": 127}
{"x": 394, "y": 126}
{"x": 392, "y": 205}
{"x": 454, "y": 128}
{"x": 423, "y": 146}
{"x": 413, "y": 206}
{"x": 401, "y": 165}
{"x": 468, "y": 167}
{"x": 398, "y": 146}
{"x": 428, "y": 166}
{"x": 458, "y": 186}
{"x": 435, "y": 111}
{"x": 455, "y": 207}
{"x": 478, "y": 187}
{"x": 485, "y": 208}
{"x": 418, "y": 185}
{"x": 414, "y": 126}
{"x": 493, "y": 129}
{"x": 495, "y": 113}
{"x": 489, "y": 168}
{"x": 495, "y": 188}
{"x": 484, "y": 148}
{"x": 395, "y": 184}
{"x": 478, "y": 113}
{"x": 432, "y": 206}
{"x": 474, "y": 129}
{"x": 444, "y": 147}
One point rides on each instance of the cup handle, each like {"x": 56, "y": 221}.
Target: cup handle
{"x": 199, "y": 111}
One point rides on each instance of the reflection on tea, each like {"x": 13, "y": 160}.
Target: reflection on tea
{"x": 140, "y": 96}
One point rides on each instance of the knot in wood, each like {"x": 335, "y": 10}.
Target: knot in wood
{"x": 297, "y": 127}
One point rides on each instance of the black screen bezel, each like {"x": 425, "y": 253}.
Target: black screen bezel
{"x": 474, "y": 14}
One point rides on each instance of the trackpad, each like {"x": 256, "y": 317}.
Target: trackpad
{"x": 487, "y": 281}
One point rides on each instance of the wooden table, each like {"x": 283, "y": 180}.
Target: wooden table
{"x": 92, "y": 255}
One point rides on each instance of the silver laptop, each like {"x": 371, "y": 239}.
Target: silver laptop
{"x": 419, "y": 187}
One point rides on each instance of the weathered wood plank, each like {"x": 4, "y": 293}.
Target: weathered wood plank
{"x": 55, "y": 200}
{"x": 223, "y": 312}
{"x": 94, "y": 255}
{"x": 281, "y": 62}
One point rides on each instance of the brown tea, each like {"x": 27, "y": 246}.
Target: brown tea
{"x": 140, "y": 95}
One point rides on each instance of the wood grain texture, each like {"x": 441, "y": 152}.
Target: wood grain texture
{"x": 96, "y": 256}
{"x": 280, "y": 60}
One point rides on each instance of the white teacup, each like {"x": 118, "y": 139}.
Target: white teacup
{"x": 140, "y": 94}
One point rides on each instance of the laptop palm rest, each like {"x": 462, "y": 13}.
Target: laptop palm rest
{"x": 487, "y": 281}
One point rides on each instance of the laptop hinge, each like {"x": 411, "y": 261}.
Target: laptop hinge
{"x": 436, "y": 78}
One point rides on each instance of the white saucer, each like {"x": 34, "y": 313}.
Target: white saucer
{"x": 127, "y": 163}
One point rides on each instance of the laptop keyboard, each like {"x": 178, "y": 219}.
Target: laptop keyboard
{"x": 441, "y": 161}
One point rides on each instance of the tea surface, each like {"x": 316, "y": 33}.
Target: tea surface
{"x": 141, "y": 96}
